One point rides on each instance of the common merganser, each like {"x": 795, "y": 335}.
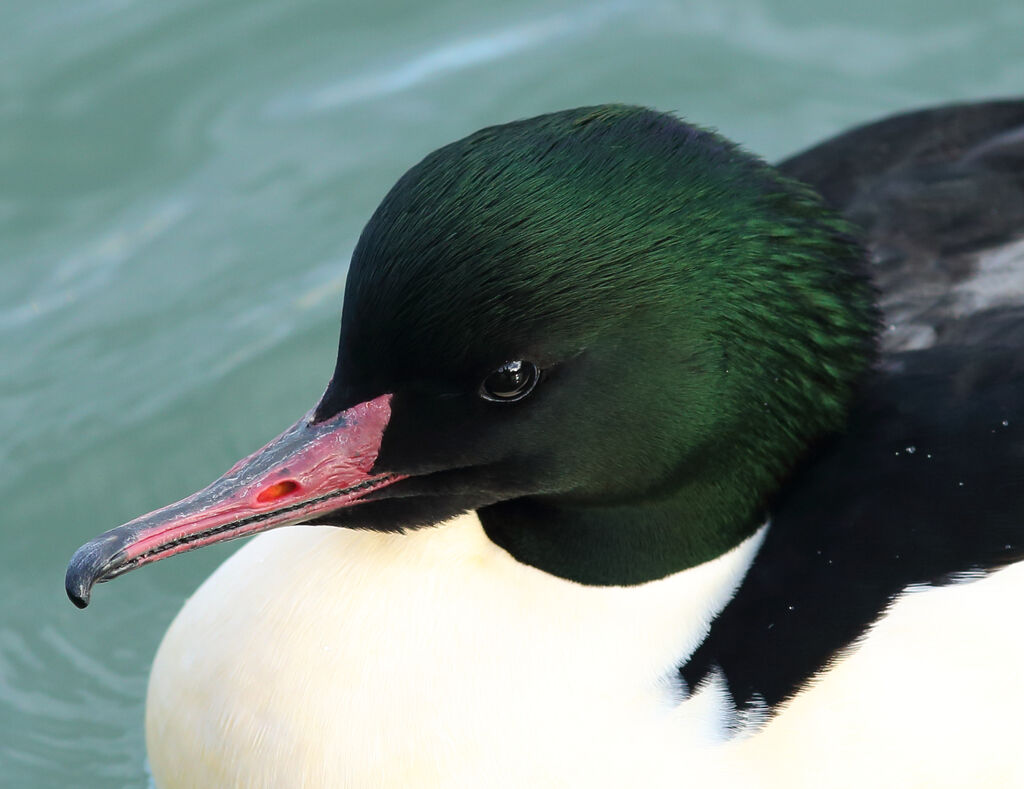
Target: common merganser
{"x": 636, "y": 486}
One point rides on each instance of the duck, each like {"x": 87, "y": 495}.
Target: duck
{"x": 643, "y": 462}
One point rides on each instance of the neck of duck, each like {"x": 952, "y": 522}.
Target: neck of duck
{"x": 628, "y": 542}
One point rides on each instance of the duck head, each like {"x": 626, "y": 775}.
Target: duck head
{"x": 609, "y": 332}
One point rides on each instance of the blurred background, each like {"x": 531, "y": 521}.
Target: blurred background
{"x": 181, "y": 184}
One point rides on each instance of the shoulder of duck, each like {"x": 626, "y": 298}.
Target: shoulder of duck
{"x": 939, "y": 196}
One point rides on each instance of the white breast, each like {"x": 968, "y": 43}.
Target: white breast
{"x": 321, "y": 657}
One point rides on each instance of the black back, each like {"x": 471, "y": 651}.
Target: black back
{"x": 926, "y": 484}
{"x": 935, "y": 192}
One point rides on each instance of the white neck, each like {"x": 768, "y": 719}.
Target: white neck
{"x": 429, "y": 658}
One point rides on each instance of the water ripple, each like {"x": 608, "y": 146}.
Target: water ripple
{"x": 448, "y": 57}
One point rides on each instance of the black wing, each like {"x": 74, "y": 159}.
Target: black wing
{"x": 927, "y": 482}
{"x": 926, "y": 485}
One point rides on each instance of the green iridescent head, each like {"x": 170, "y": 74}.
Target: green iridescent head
{"x": 698, "y": 320}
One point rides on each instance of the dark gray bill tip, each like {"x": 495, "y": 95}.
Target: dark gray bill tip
{"x": 89, "y": 565}
{"x": 78, "y": 588}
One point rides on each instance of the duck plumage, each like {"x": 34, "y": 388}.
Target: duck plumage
{"x": 703, "y": 513}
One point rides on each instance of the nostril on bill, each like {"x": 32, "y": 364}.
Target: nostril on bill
{"x": 277, "y": 491}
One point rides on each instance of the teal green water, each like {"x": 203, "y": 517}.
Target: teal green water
{"x": 181, "y": 184}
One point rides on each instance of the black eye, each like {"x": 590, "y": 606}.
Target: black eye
{"x": 510, "y": 382}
